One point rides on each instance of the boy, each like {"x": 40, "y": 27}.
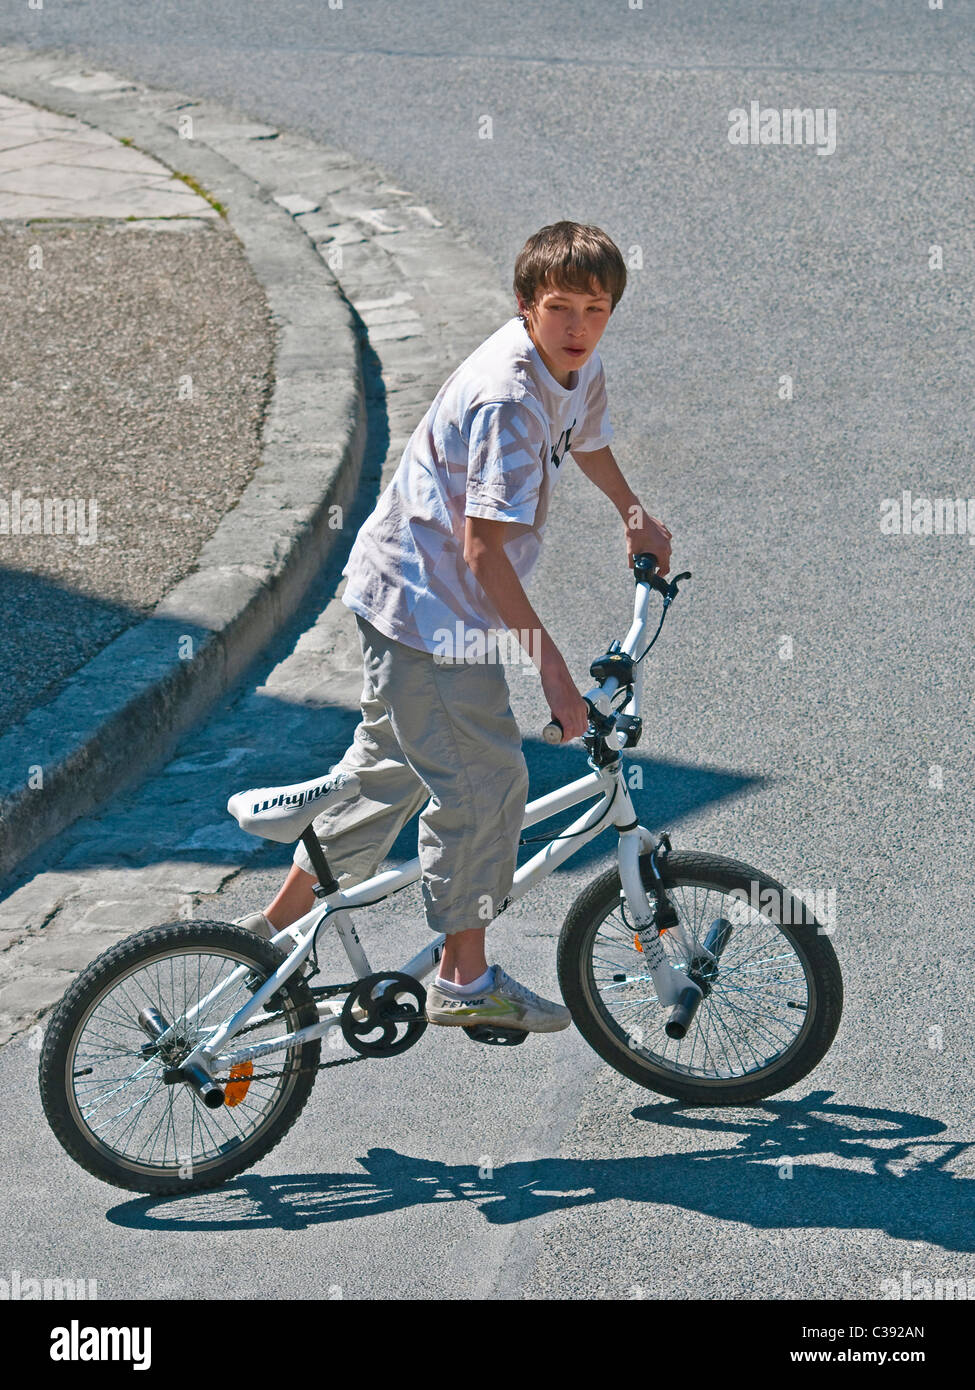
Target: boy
{"x": 441, "y": 558}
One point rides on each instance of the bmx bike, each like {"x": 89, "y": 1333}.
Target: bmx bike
{"x": 695, "y": 975}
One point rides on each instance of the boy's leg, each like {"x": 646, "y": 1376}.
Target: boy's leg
{"x": 463, "y": 956}
{"x": 294, "y": 898}
{"x": 359, "y": 833}
{"x": 454, "y": 724}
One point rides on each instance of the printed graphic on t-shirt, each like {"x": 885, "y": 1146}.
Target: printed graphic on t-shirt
{"x": 491, "y": 445}
{"x": 564, "y": 445}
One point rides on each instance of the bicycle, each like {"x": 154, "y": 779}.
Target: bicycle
{"x": 697, "y": 976}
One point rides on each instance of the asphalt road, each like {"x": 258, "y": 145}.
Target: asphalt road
{"x": 850, "y": 761}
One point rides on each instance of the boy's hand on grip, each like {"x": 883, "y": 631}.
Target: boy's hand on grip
{"x": 564, "y": 700}
{"x": 645, "y": 533}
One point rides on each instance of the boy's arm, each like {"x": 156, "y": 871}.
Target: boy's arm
{"x": 643, "y": 531}
{"x": 484, "y": 555}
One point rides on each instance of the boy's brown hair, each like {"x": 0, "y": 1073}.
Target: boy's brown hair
{"x": 569, "y": 256}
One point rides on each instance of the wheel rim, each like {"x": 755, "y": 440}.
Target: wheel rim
{"x": 123, "y": 1106}
{"x": 754, "y": 1019}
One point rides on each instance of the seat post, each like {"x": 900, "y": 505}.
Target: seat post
{"x": 319, "y": 862}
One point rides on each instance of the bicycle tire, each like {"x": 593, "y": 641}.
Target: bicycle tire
{"x": 603, "y": 1031}
{"x": 66, "y": 1027}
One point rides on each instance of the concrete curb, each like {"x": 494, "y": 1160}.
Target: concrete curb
{"x": 123, "y": 710}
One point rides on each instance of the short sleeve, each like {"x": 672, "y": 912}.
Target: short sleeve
{"x": 504, "y": 462}
{"x": 596, "y": 430}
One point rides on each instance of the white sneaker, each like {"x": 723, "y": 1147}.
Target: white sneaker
{"x": 505, "y": 1004}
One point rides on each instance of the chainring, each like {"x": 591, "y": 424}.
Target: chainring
{"x": 386, "y": 1013}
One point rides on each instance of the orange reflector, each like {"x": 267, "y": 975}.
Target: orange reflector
{"x": 239, "y": 1083}
{"x": 636, "y": 939}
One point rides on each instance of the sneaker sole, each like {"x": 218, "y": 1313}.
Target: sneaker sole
{"x": 452, "y": 1021}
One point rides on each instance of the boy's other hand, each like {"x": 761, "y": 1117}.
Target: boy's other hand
{"x": 645, "y": 533}
{"x": 564, "y": 700}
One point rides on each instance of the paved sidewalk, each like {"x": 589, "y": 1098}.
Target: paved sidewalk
{"x": 137, "y": 363}
{"x": 56, "y": 166}
{"x": 164, "y": 849}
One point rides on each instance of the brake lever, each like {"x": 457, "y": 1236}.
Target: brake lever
{"x": 668, "y": 590}
{"x": 603, "y": 667}
{"x": 672, "y": 586}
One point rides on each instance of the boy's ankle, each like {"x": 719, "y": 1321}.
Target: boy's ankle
{"x": 462, "y": 979}
{"x": 462, "y": 975}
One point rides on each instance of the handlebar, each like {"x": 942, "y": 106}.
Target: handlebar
{"x": 644, "y": 572}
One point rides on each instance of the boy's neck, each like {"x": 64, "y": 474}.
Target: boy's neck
{"x": 551, "y": 368}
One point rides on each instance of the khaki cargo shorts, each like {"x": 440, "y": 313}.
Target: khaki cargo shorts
{"x": 436, "y": 735}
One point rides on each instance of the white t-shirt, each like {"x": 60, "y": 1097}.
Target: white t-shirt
{"x": 491, "y": 444}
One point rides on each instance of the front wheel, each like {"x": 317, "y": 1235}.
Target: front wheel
{"x": 102, "y": 1077}
{"x": 773, "y": 995}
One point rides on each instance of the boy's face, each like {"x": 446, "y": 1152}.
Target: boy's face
{"x": 565, "y": 327}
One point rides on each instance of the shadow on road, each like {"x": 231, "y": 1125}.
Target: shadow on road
{"x": 740, "y": 1182}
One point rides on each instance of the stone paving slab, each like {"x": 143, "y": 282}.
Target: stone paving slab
{"x": 61, "y": 167}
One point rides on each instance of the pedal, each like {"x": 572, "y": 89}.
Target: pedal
{"x": 495, "y": 1037}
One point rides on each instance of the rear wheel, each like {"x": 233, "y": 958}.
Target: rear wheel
{"x": 101, "y": 1074}
{"x": 772, "y": 1000}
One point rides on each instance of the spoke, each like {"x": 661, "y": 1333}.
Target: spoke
{"x": 119, "y": 1114}
{"x": 151, "y": 1136}
{"x": 751, "y": 991}
{"x": 756, "y": 1028}
{"x": 103, "y": 1100}
{"x": 721, "y": 1026}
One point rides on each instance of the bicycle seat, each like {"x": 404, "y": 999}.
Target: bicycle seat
{"x": 283, "y": 813}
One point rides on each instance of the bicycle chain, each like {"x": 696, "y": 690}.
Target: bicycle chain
{"x": 299, "y": 1071}
{"x": 323, "y": 992}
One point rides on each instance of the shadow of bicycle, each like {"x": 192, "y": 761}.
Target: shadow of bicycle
{"x": 766, "y": 1177}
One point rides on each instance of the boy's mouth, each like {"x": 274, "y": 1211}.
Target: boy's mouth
{"x": 575, "y": 351}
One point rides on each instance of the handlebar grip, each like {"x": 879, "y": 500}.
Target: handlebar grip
{"x": 552, "y": 733}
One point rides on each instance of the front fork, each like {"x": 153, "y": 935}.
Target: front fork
{"x": 652, "y": 913}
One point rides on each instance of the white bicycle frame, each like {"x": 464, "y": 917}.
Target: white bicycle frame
{"x": 608, "y": 783}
